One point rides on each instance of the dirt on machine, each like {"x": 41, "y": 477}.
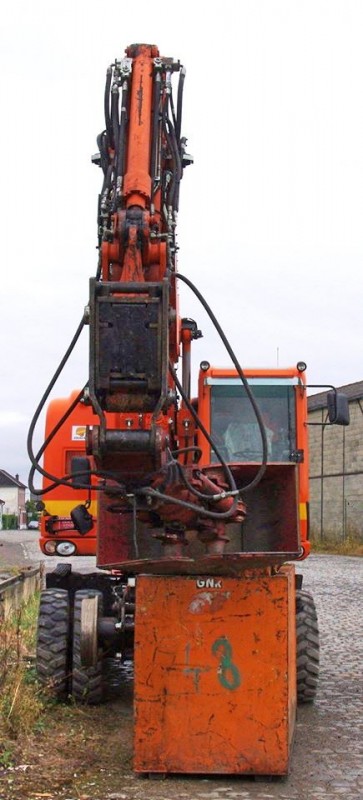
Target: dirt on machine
{"x": 196, "y": 507}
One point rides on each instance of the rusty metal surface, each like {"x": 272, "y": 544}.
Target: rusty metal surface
{"x": 265, "y": 529}
{"x": 128, "y": 338}
{"x": 228, "y": 564}
{"x": 215, "y": 658}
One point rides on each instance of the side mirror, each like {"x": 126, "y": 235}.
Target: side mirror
{"x": 82, "y": 519}
{"x": 338, "y": 408}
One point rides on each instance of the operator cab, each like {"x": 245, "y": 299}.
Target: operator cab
{"x": 277, "y": 517}
{"x": 234, "y": 426}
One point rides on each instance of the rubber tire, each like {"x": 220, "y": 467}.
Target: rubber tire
{"x": 53, "y": 641}
{"x": 87, "y": 682}
{"x": 307, "y": 647}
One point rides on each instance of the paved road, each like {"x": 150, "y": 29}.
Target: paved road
{"x": 21, "y": 548}
{"x": 328, "y": 754}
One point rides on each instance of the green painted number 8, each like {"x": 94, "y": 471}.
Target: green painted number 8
{"x": 228, "y": 674}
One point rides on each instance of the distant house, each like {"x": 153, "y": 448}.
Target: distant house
{"x": 336, "y": 467}
{"x": 13, "y": 496}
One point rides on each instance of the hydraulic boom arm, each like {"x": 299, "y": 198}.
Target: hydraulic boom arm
{"x": 144, "y": 443}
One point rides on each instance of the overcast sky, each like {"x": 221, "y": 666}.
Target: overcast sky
{"x": 271, "y": 213}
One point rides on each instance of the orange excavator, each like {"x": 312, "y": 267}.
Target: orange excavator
{"x": 195, "y": 507}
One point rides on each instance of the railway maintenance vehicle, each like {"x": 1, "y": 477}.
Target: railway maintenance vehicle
{"x": 196, "y": 508}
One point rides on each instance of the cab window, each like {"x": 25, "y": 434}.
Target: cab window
{"x": 234, "y": 426}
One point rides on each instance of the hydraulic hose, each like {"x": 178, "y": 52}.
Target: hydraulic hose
{"x": 36, "y": 466}
{"x": 155, "y": 128}
{"x": 47, "y": 393}
{"x": 171, "y": 187}
{"x": 255, "y": 481}
{"x": 107, "y": 104}
{"x": 120, "y": 170}
{"x": 191, "y": 409}
{"x": 114, "y": 116}
{"x": 148, "y": 491}
{"x": 179, "y": 105}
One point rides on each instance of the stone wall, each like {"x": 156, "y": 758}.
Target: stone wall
{"x": 336, "y": 475}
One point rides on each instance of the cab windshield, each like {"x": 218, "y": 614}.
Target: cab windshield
{"x": 234, "y": 427}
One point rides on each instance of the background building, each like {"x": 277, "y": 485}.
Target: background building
{"x": 12, "y": 492}
{"x": 336, "y": 468}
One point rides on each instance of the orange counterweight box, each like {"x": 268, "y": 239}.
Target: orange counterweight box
{"x": 215, "y": 673}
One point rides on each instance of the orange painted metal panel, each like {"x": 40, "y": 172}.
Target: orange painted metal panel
{"x": 215, "y": 673}
{"x": 302, "y": 441}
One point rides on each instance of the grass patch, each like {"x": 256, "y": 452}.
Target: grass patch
{"x": 350, "y": 546}
{"x": 21, "y": 702}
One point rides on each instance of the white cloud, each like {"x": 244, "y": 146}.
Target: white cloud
{"x": 271, "y": 212}
{"x": 8, "y": 418}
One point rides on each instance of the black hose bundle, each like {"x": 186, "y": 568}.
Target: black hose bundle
{"x": 166, "y": 169}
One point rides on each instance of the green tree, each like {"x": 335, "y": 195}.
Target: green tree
{"x": 31, "y": 510}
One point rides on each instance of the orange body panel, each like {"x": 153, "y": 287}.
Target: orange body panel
{"x": 68, "y": 442}
{"x": 302, "y": 441}
{"x": 215, "y": 673}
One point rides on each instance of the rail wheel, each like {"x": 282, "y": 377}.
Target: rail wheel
{"x": 307, "y": 647}
{"x": 53, "y": 641}
{"x": 87, "y": 663}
